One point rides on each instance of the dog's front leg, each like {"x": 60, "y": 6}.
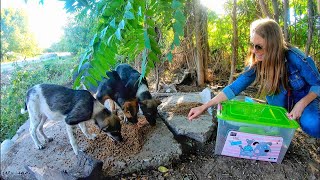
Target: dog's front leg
{"x": 84, "y": 129}
{"x": 72, "y": 139}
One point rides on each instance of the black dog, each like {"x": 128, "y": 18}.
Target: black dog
{"x": 113, "y": 88}
{"x": 75, "y": 107}
{"x": 140, "y": 90}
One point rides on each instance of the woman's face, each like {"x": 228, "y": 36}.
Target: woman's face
{"x": 258, "y": 46}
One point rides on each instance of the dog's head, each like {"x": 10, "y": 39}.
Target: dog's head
{"x": 149, "y": 108}
{"x": 110, "y": 124}
{"x": 130, "y": 109}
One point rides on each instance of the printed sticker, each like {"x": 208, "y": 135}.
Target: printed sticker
{"x": 252, "y": 146}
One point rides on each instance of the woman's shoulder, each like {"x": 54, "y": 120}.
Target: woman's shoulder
{"x": 294, "y": 54}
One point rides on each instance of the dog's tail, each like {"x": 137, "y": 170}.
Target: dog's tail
{"x": 25, "y": 109}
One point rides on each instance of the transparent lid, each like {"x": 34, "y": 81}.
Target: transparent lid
{"x": 255, "y": 113}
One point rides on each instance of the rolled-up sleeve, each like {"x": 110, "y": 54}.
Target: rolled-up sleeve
{"x": 240, "y": 84}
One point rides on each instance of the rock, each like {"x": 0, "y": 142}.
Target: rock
{"x": 5, "y": 147}
{"x": 45, "y": 173}
{"x": 87, "y": 168}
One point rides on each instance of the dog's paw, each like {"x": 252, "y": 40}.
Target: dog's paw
{"x": 40, "y": 146}
{"x": 49, "y": 140}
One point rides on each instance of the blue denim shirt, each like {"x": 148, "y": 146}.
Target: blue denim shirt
{"x": 303, "y": 77}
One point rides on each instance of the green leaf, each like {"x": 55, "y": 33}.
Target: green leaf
{"x": 113, "y": 23}
{"x": 178, "y": 15}
{"x": 151, "y": 31}
{"x": 89, "y": 79}
{"x": 163, "y": 169}
{"x": 76, "y": 83}
{"x": 144, "y": 63}
{"x": 129, "y": 15}
{"x": 152, "y": 56}
{"x": 118, "y": 34}
{"x": 169, "y": 56}
{"x": 146, "y": 40}
{"x": 177, "y": 27}
{"x": 109, "y": 40}
{"x": 176, "y": 40}
{"x": 97, "y": 66}
{"x": 103, "y": 32}
{"x": 139, "y": 11}
{"x": 121, "y": 24}
{"x": 176, "y": 4}
{"x": 95, "y": 74}
{"x": 128, "y": 6}
{"x": 94, "y": 40}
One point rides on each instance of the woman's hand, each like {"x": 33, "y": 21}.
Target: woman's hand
{"x": 297, "y": 110}
{"x": 195, "y": 112}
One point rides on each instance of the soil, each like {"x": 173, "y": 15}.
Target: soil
{"x": 302, "y": 160}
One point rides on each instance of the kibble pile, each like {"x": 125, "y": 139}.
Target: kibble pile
{"x": 181, "y": 108}
{"x": 134, "y": 136}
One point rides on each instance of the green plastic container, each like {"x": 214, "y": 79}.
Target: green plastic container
{"x": 247, "y": 124}
{"x": 255, "y": 113}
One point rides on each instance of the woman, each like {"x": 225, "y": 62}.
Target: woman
{"x": 286, "y": 76}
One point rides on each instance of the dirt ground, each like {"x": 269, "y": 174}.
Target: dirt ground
{"x": 302, "y": 160}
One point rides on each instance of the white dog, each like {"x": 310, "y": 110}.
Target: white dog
{"x": 75, "y": 107}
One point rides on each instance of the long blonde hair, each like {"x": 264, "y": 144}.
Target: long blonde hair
{"x": 271, "y": 72}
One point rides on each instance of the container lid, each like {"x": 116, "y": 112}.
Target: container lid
{"x": 255, "y": 113}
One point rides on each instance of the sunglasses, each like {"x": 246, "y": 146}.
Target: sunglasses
{"x": 256, "y": 47}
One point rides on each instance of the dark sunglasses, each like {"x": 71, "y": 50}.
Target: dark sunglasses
{"x": 256, "y": 47}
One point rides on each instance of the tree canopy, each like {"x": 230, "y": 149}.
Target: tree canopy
{"x": 16, "y": 38}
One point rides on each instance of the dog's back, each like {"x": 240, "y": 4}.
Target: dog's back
{"x": 131, "y": 79}
{"x": 56, "y": 102}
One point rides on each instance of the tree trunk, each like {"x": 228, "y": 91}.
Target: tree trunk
{"x": 205, "y": 43}
{"x": 234, "y": 41}
{"x": 275, "y": 6}
{"x": 200, "y": 44}
{"x": 264, "y": 8}
{"x": 310, "y": 26}
{"x": 188, "y": 37}
{"x": 286, "y": 20}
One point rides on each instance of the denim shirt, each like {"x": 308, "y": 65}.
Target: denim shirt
{"x": 303, "y": 77}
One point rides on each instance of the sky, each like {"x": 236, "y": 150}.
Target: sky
{"x": 214, "y": 5}
{"x": 45, "y": 21}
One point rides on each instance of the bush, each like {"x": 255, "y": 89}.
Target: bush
{"x": 23, "y": 78}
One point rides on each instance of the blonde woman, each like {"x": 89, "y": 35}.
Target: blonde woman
{"x": 286, "y": 76}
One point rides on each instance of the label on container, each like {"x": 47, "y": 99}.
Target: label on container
{"x": 252, "y": 146}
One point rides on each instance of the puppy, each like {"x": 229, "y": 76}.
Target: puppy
{"x": 75, "y": 107}
{"x": 112, "y": 88}
{"x": 130, "y": 78}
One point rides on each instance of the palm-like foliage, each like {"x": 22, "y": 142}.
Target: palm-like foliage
{"x": 125, "y": 29}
